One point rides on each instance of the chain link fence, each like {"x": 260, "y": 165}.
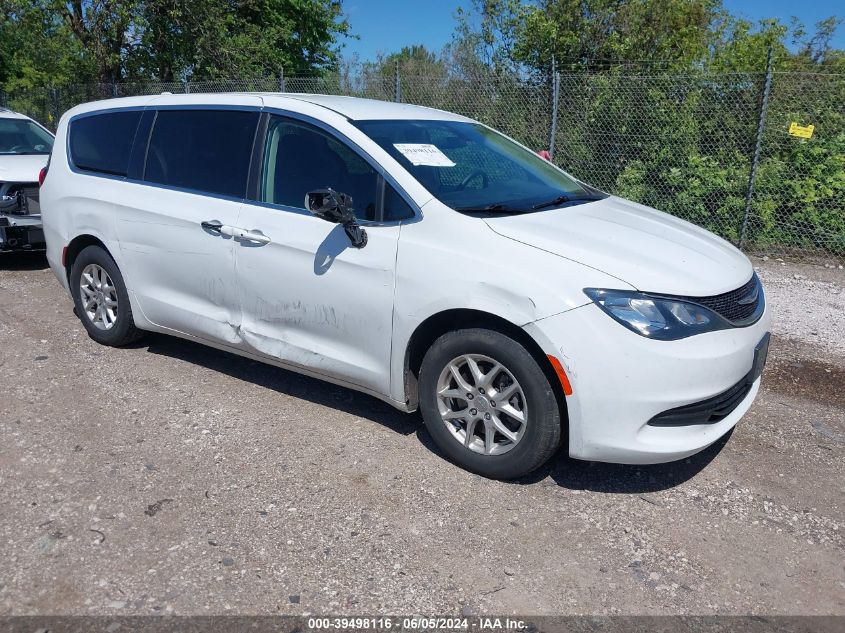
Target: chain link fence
{"x": 733, "y": 153}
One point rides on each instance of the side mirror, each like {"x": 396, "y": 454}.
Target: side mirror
{"x": 336, "y": 207}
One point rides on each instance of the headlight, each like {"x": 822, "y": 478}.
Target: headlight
{"x": 658, "y": 318}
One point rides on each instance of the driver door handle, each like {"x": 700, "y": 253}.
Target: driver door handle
{"x": 251, "y": 236}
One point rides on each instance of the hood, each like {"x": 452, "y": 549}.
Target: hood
{"x": 21, "y": 167}
{"x": 648, "y": 249}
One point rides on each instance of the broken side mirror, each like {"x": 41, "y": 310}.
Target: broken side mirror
{"x": 336, "y": 207}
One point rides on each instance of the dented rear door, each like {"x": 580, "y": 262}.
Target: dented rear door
{"x": 178, "y": 212}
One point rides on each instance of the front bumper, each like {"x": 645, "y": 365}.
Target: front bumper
{"x": 21, "y": 232}
{"x": 620, "y": 381}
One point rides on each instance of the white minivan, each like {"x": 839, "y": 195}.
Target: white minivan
{"x": 412, "y": 254}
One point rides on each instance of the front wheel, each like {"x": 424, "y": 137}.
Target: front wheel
{"x": 488, "y": 404}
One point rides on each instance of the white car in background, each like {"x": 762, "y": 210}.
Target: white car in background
{"x": 411, "y": 254}
{"x": 24, "y": 150}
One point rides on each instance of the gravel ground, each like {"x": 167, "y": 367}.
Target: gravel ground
{"x": 820, "y": 321}
{"x": 172, "y": 478}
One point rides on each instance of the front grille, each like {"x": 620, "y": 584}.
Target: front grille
{"x": 728, "y": 304}
{"x": 708, "y": 411}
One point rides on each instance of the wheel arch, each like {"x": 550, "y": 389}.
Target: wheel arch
{"x": 457, "y": 319}
{"x": 76, "y": 246}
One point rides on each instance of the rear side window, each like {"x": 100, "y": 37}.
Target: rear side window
{"x": 204, "y": 150}
{"x": 102, "y": 142}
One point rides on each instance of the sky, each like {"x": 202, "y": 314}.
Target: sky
{"x": 387, "y": 25}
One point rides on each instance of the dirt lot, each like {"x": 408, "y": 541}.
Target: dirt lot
{"x": 171, "y": 478}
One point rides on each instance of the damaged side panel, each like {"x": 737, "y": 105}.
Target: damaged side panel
{"x": 520, "y": 284}
{"x": 183, "y": 275}
{"x": 310, "y": 299}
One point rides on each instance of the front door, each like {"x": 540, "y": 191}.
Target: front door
{"x": 308, "y": 297}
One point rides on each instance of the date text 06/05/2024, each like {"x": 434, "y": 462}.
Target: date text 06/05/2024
{"x": 417, "y": 623}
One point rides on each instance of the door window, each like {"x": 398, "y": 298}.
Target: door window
{"x": 101, "y": 142}
{"x": 395, "y": 206}
{"x": 203, "y": 150}
{"x": 299, "y": 158}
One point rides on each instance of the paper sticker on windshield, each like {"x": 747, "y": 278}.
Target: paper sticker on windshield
{"x": 424, "y": 154}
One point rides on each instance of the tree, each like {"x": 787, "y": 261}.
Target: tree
{"x": 37, "y": 47}
{"x": 660, "y": 102}
{"x": 487, "y": 35}
{"x": 415, "y": 60}
{"x": 103, "y": 29}
{"x": 419, "y": 68}
{"x": 257, "y": 37}
{"x": 54, "y": 41}
{"x": 584, "y": 33}
{"x": 167, "y": 41}
{"x": 657, "y": 35}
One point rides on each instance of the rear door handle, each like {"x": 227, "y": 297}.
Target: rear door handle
{"x": 214, "y": 226}
{"x": 218, "y": 228}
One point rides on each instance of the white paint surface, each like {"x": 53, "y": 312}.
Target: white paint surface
{"x": 305, "y": 299}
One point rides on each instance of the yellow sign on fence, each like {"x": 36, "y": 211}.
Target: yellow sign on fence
{"x": 801, "y": 131}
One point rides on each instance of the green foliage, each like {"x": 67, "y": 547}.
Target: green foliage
{"x": 251, "y": 38}
{"x": 685, "y": 145}
{"x": 577, "y": 32}
{"x": 702, "y": 190}
{"x": 666, "y": 35}
{"x": 415, "y": 61}
{"x": 799, "y": 195}
{"x": 659, "y": 99}
{"x": 53, "y": 42}
{"x": 660, "y": 102}
{"x": 37, "y": 48}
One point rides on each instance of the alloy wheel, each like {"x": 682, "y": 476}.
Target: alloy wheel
{"x": 99, "y": 296}
{"x": 482, "y": 404}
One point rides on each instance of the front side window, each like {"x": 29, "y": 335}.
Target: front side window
{"x": 19, "y": 136}
{"x": 203, "y": 150}
{"x": 472, "y": 168}
{"x": 299, "y": 158}
{"x": 102, "y": 142}
{"x": 395, "y": 206}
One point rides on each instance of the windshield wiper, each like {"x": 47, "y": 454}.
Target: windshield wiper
{"x": 490, "y": 208}
{"x": 565, "y": 198}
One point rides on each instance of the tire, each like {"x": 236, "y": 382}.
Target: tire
{"x": 539, "y": 435}
{"x": 121, "y": 328}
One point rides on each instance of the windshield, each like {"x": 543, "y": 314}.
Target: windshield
{"x": 472, "y": 168}
{"x": 19, "y": 136}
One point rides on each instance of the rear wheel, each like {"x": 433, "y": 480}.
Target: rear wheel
{"x": 488, "y": 404}
{"x": 100, "y": 297}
